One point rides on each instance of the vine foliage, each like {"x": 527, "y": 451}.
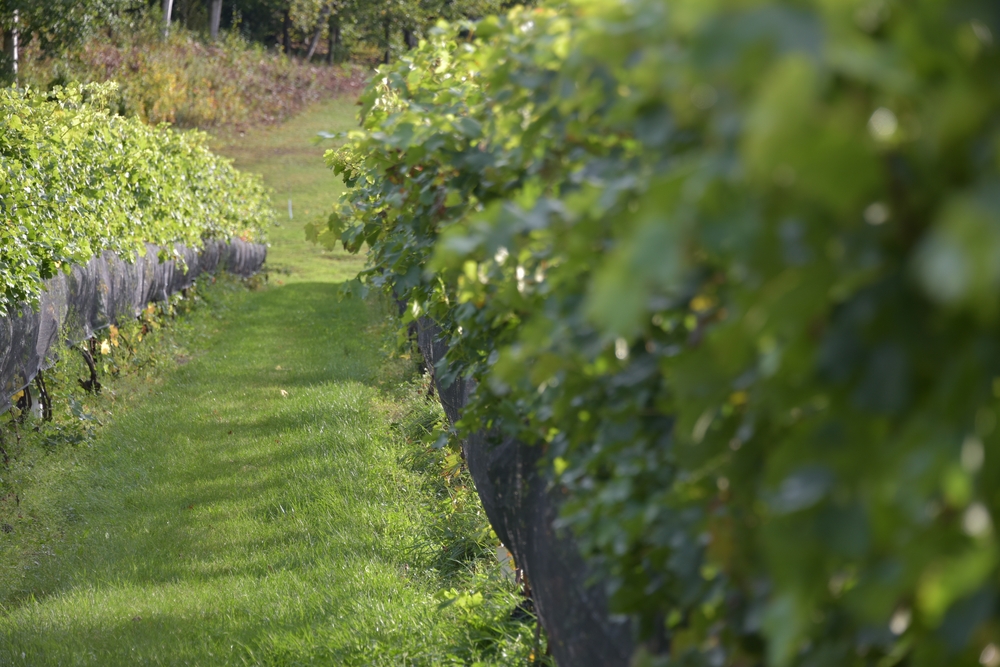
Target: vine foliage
{"x": 734, "y": 265}
{"x": 76, "y": 180}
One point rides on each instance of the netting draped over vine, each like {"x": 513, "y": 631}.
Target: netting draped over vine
{"x": 105, "y": 291}
{"x": 522, "y": 506}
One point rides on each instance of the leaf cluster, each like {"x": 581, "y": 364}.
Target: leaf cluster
{"x": 76, "y": 180}
{"x": 734, "y": 266}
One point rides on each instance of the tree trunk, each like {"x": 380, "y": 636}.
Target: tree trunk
{"x": 168, "y": 9}
{"x": 410, "y": 38}
{"x": 215, "y": 18}
{"x": 388, "y": 45}
{"x": 286, "y": 38}
{"x": 333, "y": 52}
{"x": 10, "y": 49}
{"x": 314, "y": 42}
{"x": 9, "y": 69}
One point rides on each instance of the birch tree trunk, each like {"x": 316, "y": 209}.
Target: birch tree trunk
{"x": 168, "y": 9}
{"x": 324, "y": 13}
{"x": 214, "y": 19}
{"x": 10, "y": 49}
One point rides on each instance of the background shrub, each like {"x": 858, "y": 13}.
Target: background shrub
{"x": 185, "y": 81}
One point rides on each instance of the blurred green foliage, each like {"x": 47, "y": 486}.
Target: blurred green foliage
{"x": 76, "y": 180}
{"x": 734, "y": 264}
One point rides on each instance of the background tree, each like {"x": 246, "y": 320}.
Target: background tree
{"x": 371, "y": 31}
{"x": 56, "y": 24}
{"x": 299, "y": 27}
{"x": 214, "y": 19}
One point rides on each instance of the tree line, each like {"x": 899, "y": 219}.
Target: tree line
{"x": 307, "y": 29}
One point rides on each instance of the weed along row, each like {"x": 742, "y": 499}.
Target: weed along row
{"x": 709, "y": 292}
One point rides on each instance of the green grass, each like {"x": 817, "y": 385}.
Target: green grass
{"x": 253, "y": 491}
{"x": 292, "y": 165}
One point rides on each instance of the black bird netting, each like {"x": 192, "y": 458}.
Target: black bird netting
{"x": 106, "y": 291}
{"x": 522, "y": 506}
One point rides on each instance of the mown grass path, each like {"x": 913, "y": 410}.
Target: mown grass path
{"x": 249, "y": 506}
{"x": 290, "y": 159}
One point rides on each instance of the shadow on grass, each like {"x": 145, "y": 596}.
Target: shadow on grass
{"x": 264, "y": 457}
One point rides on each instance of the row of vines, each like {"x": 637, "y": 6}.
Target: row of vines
{"x": 77, "y": 180}
{"x": 734, "y": 266}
